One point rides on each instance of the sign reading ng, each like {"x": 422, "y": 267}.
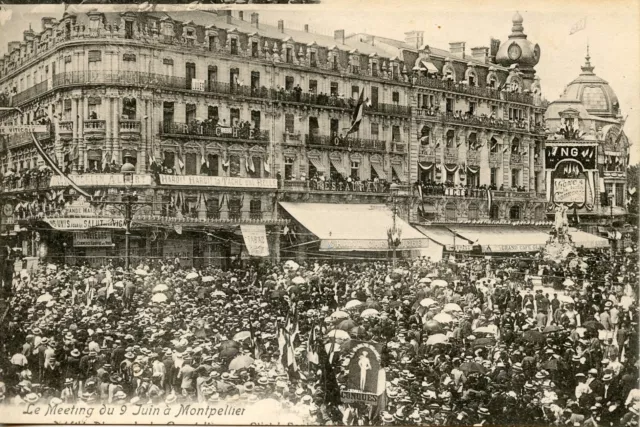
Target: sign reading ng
{"x": 585, "y": 154}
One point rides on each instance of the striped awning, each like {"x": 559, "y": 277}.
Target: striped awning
{"x": 399, "y": 170}
{"x": 317, "y": 163}
{"x": 339, "y": 167}
{"x": 379, "y": 170}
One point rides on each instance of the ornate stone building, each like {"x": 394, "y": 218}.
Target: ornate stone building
{"x": 231, "y": 123}
{"x": 587, "y": 150}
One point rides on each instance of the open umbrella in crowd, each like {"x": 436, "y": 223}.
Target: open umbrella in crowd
{"x": 464, "y": 343}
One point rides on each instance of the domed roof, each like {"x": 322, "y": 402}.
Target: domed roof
{"x": 593, "y": 92}
{"x": 517, "y": 49}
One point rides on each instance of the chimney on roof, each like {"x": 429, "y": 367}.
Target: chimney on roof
{"x": 254, "y": 19}
{"x": 28, "y": 34}
{"x": 229, "y": 17}
{"x": 241, "y": 15}
{"x": 495, "y": 46}
{"x": 480, "y": 54}
{"x": 281, "y": 26}
{"x": 457, "y": 49}
{"x": 46, "y": 22}
{"x": 414, "y": 38}
{"x": 306, "y": 28}
{"x": 338, "y": 35}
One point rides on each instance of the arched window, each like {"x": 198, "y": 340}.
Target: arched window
{"x": 514, "y": 213}
{"x": 425, "y": 135}
{"x": 129, "y": 108}
{"x": 494, "y": 145}
{"x": 492, "y": 82}
{"x": 450, "y": 138}
{"x": 515, "y": 146}
{"x": 494, "y": 212}
{"x": 473, "y": 141}
{"x": 473, "y": 211}
{"x": 450, "y": 212}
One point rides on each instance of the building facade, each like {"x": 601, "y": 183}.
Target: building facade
{"x": 225, "y": 118}
{"x": 588, "y": 151}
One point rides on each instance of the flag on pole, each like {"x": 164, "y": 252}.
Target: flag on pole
{"x": 54, "y": 166}
{"x": 579, "y": 26}
{"x": 312, "y": 347}
{"x": 180, "y": 163}
{"x": 358, "y": 112}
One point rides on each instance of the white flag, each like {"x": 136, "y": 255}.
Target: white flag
{"x": 579, "y": 26}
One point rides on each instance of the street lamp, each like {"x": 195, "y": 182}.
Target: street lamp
{"x": 394, "y": 233}
{"x": 127, "y": 170}
{"x": 611, "y": 197}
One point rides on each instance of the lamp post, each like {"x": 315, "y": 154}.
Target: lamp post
{"x": 611, "y": 197}
{"x": 394, "y": 233}
{"x": 127, "y": 170}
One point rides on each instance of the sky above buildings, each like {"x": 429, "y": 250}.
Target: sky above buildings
{"x": 612, "y": 31}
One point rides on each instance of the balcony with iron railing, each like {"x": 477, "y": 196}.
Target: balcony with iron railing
{"x": 292, "y": 138}
{"x": 31, "y": 181}
{"x": 428, "y": 153}
{"x": 206, "y": 130}
{"x": 484, "y": 92}
{"x": 326, "y": 141}
{"x": 448, "y": 190}
{"x": 390, "y": 109}
{"x": 473, "y": 158}
{"x": 450, "y": 155}
{"x": 398, "y": 147}
{"x": 515, "y": 159}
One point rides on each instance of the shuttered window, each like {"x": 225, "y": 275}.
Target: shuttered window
{"x": 95, "y": 56}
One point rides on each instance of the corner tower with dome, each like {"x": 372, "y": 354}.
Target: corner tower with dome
{"x": 586, "y": 152}
{"x": 519, "y": 53}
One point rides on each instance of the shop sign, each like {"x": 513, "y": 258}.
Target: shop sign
{"x": 255, "y": 239}
{"x": 585, "y": 154}
{"x": 363, "y": 371}
{"x": 569, "y": 190}
{"x": 512, "y": 248}
{"x": 218, "y": 181}
{"x": 92, "y": 238}
{"x": 9, "y": 130}
{"x": 99, "y": 180}
{"x": 84, "y": 223}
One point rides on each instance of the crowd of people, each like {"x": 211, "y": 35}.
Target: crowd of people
{"x": 472, "y": 341}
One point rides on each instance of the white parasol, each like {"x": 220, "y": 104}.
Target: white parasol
{"x": 443, "y": 318}
{"x": 451, "y": 307}
{"x": 160, "y": 288}
{"x": 159, "y": 298}
{"x": 353, "y": 303}
{"x": 192, "y": 275}
{"x": 439, "y": 283}
{"x": 427, "y": 302}
{"x": 44, "y": 298}
{"x": 370, "y": 312}
{"x": 437, "y": 339}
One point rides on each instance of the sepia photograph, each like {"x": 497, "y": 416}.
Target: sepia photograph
{"x": 327, "y": 212}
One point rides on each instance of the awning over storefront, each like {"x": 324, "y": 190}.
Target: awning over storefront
{"x": 431, "y": 69}
{"x": 586, "y": 240}
{"x": 399, "y": 170}
{"x": 445, "y": 237}
{"x": 339, "y": 167}
{"x": 505, "y": 238}
{"x": 353, "y": 227}
{"x": 317, "y": 163}
{"x": 379, "y": 170}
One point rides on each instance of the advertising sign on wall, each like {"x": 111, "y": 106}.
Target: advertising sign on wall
{"x": 585, "y": 154}
{"x": 91, "y": 238}
{"x": 255, "y": 238}
{"x": 569, "y": 190}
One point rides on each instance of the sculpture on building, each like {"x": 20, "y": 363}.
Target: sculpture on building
{"x": 560, "y": 245}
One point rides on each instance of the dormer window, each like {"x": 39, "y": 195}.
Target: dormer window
{"x": 234, "y": 46}
{"x": 472, "y": 80}
{"x": 313, "y": 60}
{"x": 94, "y": 24}
{"x": 255, "y": 49}
{"x": 128, "y": 29}
{"x": 289, "y": 57}
{"x": 493, "y": 83}
{"x": 374, "y": 68}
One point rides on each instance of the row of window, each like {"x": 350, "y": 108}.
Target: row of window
{"x": 473, "y": 179}
{"x": 515, "y": 213}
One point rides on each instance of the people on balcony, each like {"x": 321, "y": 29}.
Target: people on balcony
{"x": 448, "y": 188}
{"x": 26, "y": 178}
{"x": 338, "y": 182}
